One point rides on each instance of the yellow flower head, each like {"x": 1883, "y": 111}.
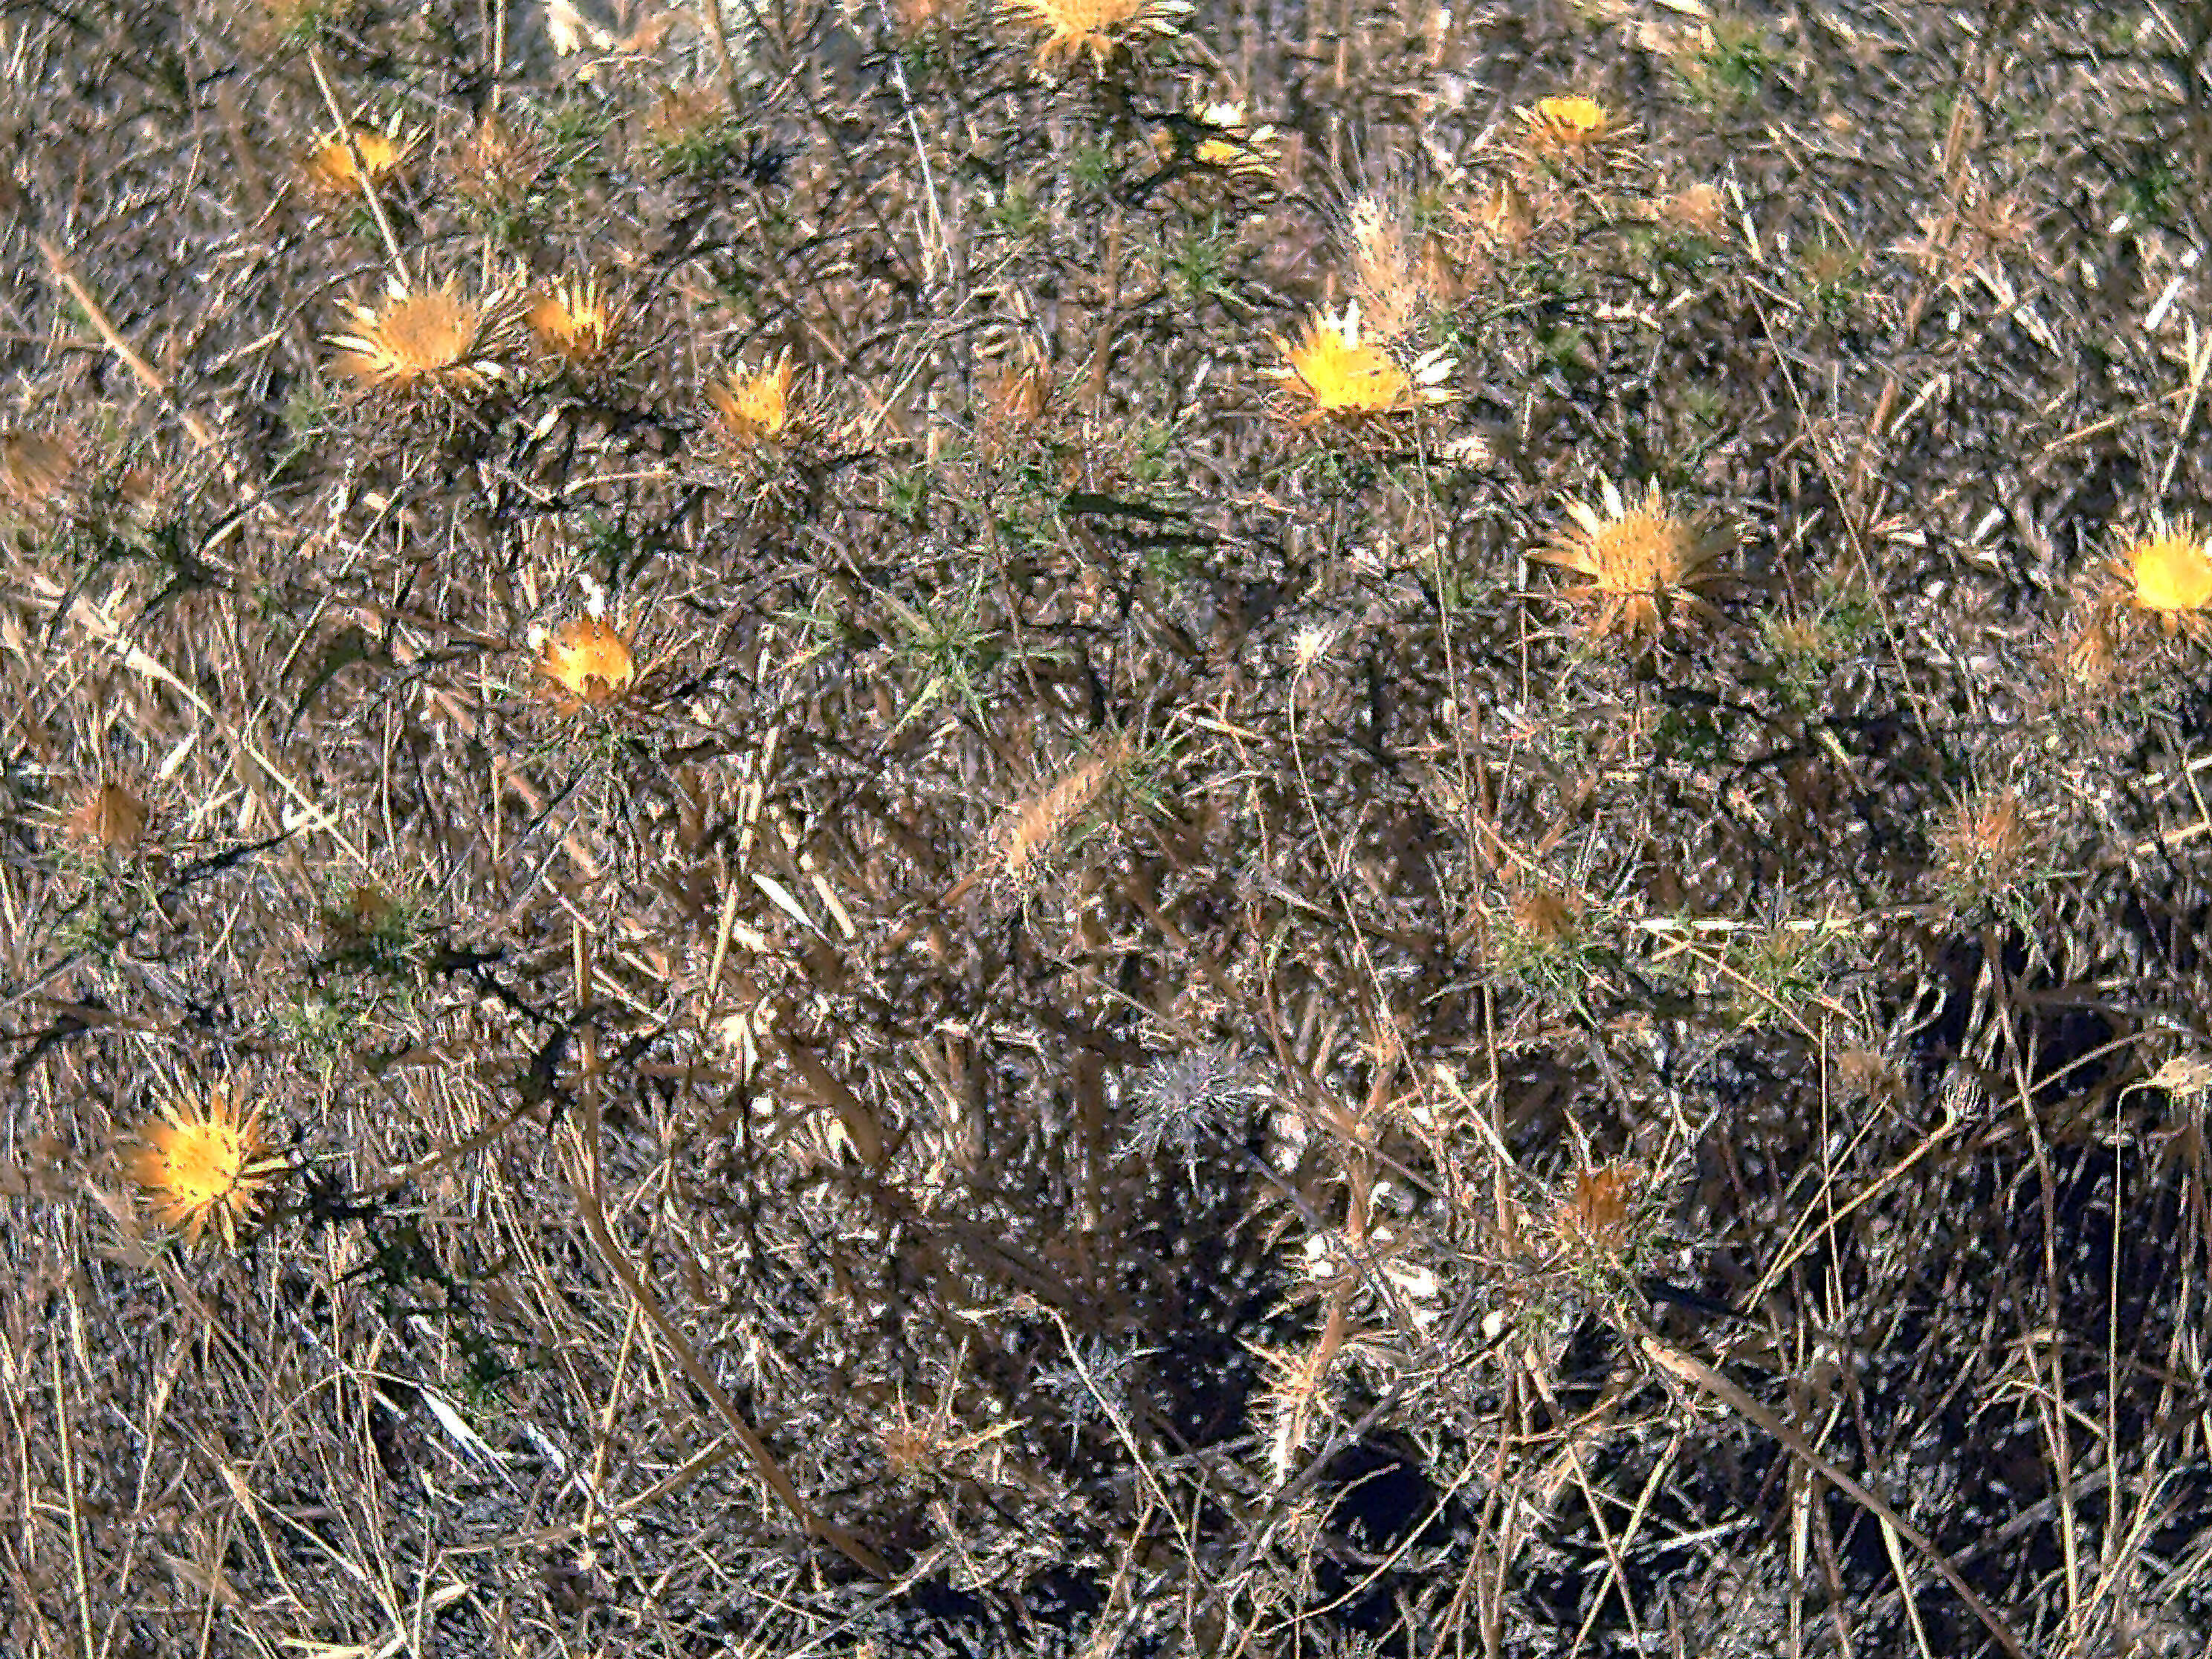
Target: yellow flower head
{"x": 573, "y": 319}
{"x": 426, "y": 340}
{"x": 2166, "y": 574}
{"x": 1341, "y": 377}
{"x": 330, "y": 169}
{"x": 1641, "y": 562}
{"x": 203, "y": 1158}
{"x": 751, "y": 405}
{"x": 1099, "y": 28}
{"x": 1571, "y": 128}
{"x": 586, "y": 660}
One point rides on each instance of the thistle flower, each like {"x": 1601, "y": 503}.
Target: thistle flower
{"x": 751, "y": 406}
{"x": 2164, "y": 578}
{"x": 203, "y": 1158}
{"x": 1571, "y": 128}
{"x": 1642, "y": 561}
{"x": 586, "y": 661}
{"x": 572, "y": 318}
{"x": 426, "y": 341}
{"x": 1344, "y": 378}
{"x": 1097, "y": 27}
{"x": 331, "y": 170}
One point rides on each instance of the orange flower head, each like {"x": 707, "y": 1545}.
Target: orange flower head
{"x": 586, "y": 660}
{"x": 1342, "y": 377}
{"x": 1099, "y": 28}
{"x": 573, "y": 319}
{"x": 751, "y": 405}
{"x": 1642, "y": 562}
{"x": 426, "y": 340}
{"x": 331, "y": 170}
{"x": 203, "y": 1159}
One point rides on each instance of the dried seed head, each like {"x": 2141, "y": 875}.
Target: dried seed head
{"x": 108, "y": 817}
{"x": 37, "y": 472}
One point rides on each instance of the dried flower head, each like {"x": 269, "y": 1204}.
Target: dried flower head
{"x": 1182, "y": 1103}
{"x": 1597, "y": 1218}
{"x": 108, "y": 817}
{"x": 498, "y": 163}
{"x": 574, "y": 320}
{"x": 1571, "y": 128}
{"x": 1341, "y": 376}
{"x": 426, "y": 341}
{"x": 1642, "y": 562}
{"x": 1014, "y": 395}
{"x": 2163, "y": 577}
{"x": 38, "y": 469}
{"x": 586, "y": 661}
{"x": 331, "y": 170}
{"x": 1985, "y": 844}
{"x": 203, "y": 1159}
{"x": 751, "y": 405}
{"x": 1398, "y": 270}
{"x": 1100, "y": 28}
